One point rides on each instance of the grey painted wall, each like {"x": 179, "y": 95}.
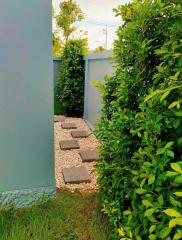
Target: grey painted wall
{"x": 97, "y": 66}
{"x": 26, "y": 95}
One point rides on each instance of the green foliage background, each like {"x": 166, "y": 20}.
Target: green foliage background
{"x": 69, "y": 92}
{"x": 57, "y": 48}
{"x": 140, "y": 172}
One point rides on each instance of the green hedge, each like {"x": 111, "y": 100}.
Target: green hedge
{"x": 70, "y": 83}
{"x": 140, "y": 172}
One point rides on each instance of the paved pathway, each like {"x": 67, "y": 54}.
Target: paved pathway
{"x": 75, "y": 154}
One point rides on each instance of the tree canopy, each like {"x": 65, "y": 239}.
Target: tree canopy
{"x": 57, "y": 48}
{"x": 70, "y": 12}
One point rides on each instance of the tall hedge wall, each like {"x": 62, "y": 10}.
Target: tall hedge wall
{"x": 140, "y": 172}
{"x": 70, "y": 83}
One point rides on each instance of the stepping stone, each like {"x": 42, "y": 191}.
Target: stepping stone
{"x": 76, "y": 175}
{"x": 79, "y": 134}
{"x": 68, "y": 125}
{"x": 89, "y": 155}
{"x": 69, "y": 144}
{"x": 59, "y": 119}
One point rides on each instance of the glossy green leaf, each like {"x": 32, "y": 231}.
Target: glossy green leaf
{"x": 121, "y": 232}
{"x": 151, "y": 180}
{"x": 178, "y": 113}
{"x": 178, "y": 179}
{"x": 177, "y": 236}
{"x": 164, "y": 95}
{"x": 170, "y": 153}
{"x": 140, "y": 191}
{"x": 176, "y": 167}
{"x": 172, "y": 212}
{"x": 152, "y": 228}
{"x": 152, "y": 95}
{"x": 171, "y": 174}
{"x": 174, "y": 104}
{"x": 149, "y": 212}
{"x": 161, "y": 200}
{"x": 127, "y": 212}
{"x": 147, "y": 203}
{"x": 178, "y": 194}
{"x": 176, "y": 75}
{"x": 152, "y": 237}
{"x": 174, "y": 202}
{"x": 174, "y": 222}
{"x": 169, "y": 144}
{"x": 164, "y": 232}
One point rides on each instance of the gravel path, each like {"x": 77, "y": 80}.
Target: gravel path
{"x": 70, "y": 158}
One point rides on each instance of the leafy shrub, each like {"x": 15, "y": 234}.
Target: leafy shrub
{"x": 70, "y": 83}
{"x": 140, "y": 172}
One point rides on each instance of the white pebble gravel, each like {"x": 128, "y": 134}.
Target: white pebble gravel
{"x": 70, "y": 158}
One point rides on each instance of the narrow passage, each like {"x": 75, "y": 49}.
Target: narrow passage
{"x": 75, "y": 154}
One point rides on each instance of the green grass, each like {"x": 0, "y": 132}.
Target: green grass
{"x": 72, "y": 216}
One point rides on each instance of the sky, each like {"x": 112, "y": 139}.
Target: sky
{"x": 98, "y": 14}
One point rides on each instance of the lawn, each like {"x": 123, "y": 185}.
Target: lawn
{"x": 72, "y": 216}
